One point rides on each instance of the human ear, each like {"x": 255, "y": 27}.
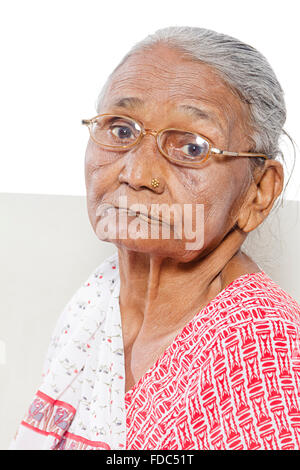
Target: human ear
{"x": 266, "y": 187}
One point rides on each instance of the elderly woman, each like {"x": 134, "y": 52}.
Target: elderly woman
{"x": 180, "y": 340}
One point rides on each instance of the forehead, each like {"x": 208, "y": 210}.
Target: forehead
{"x": 163, "y": 78}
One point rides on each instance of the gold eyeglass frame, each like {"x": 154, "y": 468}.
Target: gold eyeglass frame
{"x": 144, "y": 131}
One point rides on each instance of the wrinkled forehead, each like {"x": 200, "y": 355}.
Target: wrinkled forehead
{"x": 163, "y": 76}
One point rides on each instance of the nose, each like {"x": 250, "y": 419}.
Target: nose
{"x": 142, "y": 164}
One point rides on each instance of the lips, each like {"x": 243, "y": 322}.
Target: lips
{"x": 103, "y": 209}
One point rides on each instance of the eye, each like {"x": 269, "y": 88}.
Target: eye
{"x": 122, "y": 132}
{"x": 194, "y": 150}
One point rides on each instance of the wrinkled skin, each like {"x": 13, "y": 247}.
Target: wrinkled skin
{"x": 163, "y": 285}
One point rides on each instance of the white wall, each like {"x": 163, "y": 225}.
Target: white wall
{"x": 56, "y": 55}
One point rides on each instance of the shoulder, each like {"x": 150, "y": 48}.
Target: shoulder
{"x": 255, "y": 323}
{"x": 256, "y": 309}
{"x": 253, "y": 357}
{"x": 88, "y": 304}
{"x": 258, "y": 297}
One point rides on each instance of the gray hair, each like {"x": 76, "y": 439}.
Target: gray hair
{"x": 242, "y": 67}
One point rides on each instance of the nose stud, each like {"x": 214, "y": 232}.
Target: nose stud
{"x": 155, "y": 182}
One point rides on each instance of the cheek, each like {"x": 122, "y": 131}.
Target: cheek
{"x": 97, "y": 158}
{"x": 206, "y": 186}
{"x": 99, "y": 178}
{"x": 220, "y": 190}
{"x": 225, "y": 202}
{"x": 98, "y": 167}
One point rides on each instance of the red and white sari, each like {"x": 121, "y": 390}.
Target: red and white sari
{"x": 229, "y": 380}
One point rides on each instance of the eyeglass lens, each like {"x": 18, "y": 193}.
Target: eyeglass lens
{"x": 119, "y": 132}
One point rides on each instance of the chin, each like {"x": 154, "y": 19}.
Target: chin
{"x": 173, "y": 249}
{"x": 121, "y": 236}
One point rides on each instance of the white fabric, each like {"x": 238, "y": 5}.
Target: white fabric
{"x": 85, "y": 369}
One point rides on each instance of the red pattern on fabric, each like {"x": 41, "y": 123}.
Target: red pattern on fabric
{"x": 72, "y": 442}
{"x": 230, "y": 380}
{"x": 48, "y": 416}
{"x": 52, "y": 418}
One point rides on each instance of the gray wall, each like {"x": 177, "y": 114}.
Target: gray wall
{"x": 48, "y": 249}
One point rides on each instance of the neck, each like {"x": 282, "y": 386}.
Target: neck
{"x": 160, "y": 295}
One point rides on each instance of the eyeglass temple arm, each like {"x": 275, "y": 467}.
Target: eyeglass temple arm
{"x": 238, "y": 154}
{"x": 86, "y": 122}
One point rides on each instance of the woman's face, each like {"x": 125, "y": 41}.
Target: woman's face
{"x": 166, "y": 85}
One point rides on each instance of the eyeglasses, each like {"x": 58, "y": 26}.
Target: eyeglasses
{"x": 182, "y": 147}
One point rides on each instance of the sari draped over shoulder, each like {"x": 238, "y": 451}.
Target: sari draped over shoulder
{"x": 229, "y": 380}
{"x": 80, "y": 403}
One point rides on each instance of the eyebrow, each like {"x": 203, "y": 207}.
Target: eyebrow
{"x": 195, "y": 112}
{"x": 129, "y": 102}
{"x": 135, "y": 102}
